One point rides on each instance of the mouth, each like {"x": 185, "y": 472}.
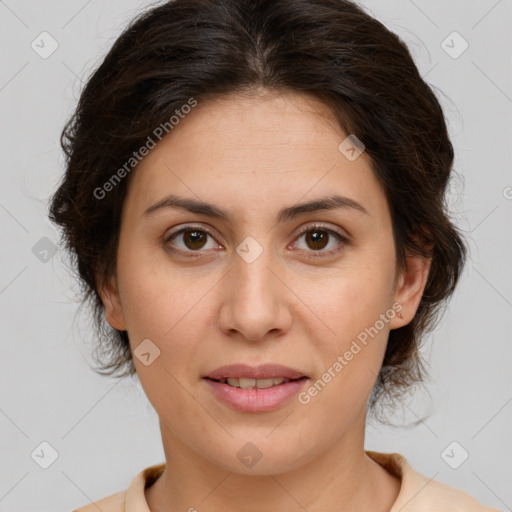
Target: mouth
{"x": 255, "y": 389}
{"x": 247, "y": 383}
{"x": 247, "y": 377}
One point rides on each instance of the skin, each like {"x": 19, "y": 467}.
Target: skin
{"x": 253, "y": 155}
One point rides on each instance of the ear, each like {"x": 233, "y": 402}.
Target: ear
{"x": 109, "y": 293}
{"x": 410, "y": 287}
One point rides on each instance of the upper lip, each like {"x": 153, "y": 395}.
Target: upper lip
{"x": 264, "y": 371}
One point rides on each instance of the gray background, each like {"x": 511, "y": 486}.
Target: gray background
{"x": 106, "y": 432}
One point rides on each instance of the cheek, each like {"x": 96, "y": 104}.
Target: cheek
{"x": 352, "y": 338}
{"x": 164, "y": 306}
{"x": 348, "y": 300}
{"x": 156, "y": 296}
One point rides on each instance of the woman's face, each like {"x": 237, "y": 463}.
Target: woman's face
{"x": 313, "y": 289}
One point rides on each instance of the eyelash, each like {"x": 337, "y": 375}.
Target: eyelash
{"x": 344, "y": 241}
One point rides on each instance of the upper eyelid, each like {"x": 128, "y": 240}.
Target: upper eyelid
{"x": 188, "y": 227}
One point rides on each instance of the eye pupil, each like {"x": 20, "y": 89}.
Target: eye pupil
{"x": 318, "y": 238}
{"x": 194, "y": 239}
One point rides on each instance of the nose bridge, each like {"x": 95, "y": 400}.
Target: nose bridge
{"x": 254, "y": 301}
{"x": 252, "y": 277}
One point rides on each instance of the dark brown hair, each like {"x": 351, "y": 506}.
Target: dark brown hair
{"x": 199, "y": 49}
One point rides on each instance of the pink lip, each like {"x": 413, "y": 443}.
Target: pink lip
{"x": 264, "y": 371}
{"x": 255, "y": 400}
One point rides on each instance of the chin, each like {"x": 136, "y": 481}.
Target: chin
{"x": 259, "y": 456}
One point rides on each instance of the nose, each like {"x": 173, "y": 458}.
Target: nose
{"x": 255, "y": 301}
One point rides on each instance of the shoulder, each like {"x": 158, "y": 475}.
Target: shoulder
{"x": 442, "y": 497}
{"x": 421, "y": 494}
{"x": 113, "y": 503}
{"x": 132, "y": 499}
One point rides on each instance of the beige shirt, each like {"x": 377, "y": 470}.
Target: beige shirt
{"x": 417, "y": 493}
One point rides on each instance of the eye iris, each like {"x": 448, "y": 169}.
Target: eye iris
{"x": 194, "y": 239}
{"x": 317, "y": 238}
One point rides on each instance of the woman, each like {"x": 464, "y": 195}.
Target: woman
{"x": 254, "y": 197}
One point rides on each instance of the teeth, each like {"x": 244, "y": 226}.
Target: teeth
{"x": 245, "y": 383}
{"x": 242, "y": 383}
{"x": 265, "y": 383}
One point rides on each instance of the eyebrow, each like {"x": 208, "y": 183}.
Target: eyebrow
{"x": 200, "y": 207}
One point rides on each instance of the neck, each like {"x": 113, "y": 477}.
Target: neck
{"x": 343, "y": 477}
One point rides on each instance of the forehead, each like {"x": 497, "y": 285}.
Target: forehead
{"x": 260, "y": 121}
{"x": 251, "y": 150}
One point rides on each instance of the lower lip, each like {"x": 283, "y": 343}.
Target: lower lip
{"x": 256, "y": 400}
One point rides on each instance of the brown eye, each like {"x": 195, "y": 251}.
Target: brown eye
{"x": 317, "y": 239}
{"x": 194, "y": 239}
{"x": 190, "y": 240}
{"x": 320, "y": 241}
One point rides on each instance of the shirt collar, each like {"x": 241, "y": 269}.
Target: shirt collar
{"x": 415, "y": 488}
